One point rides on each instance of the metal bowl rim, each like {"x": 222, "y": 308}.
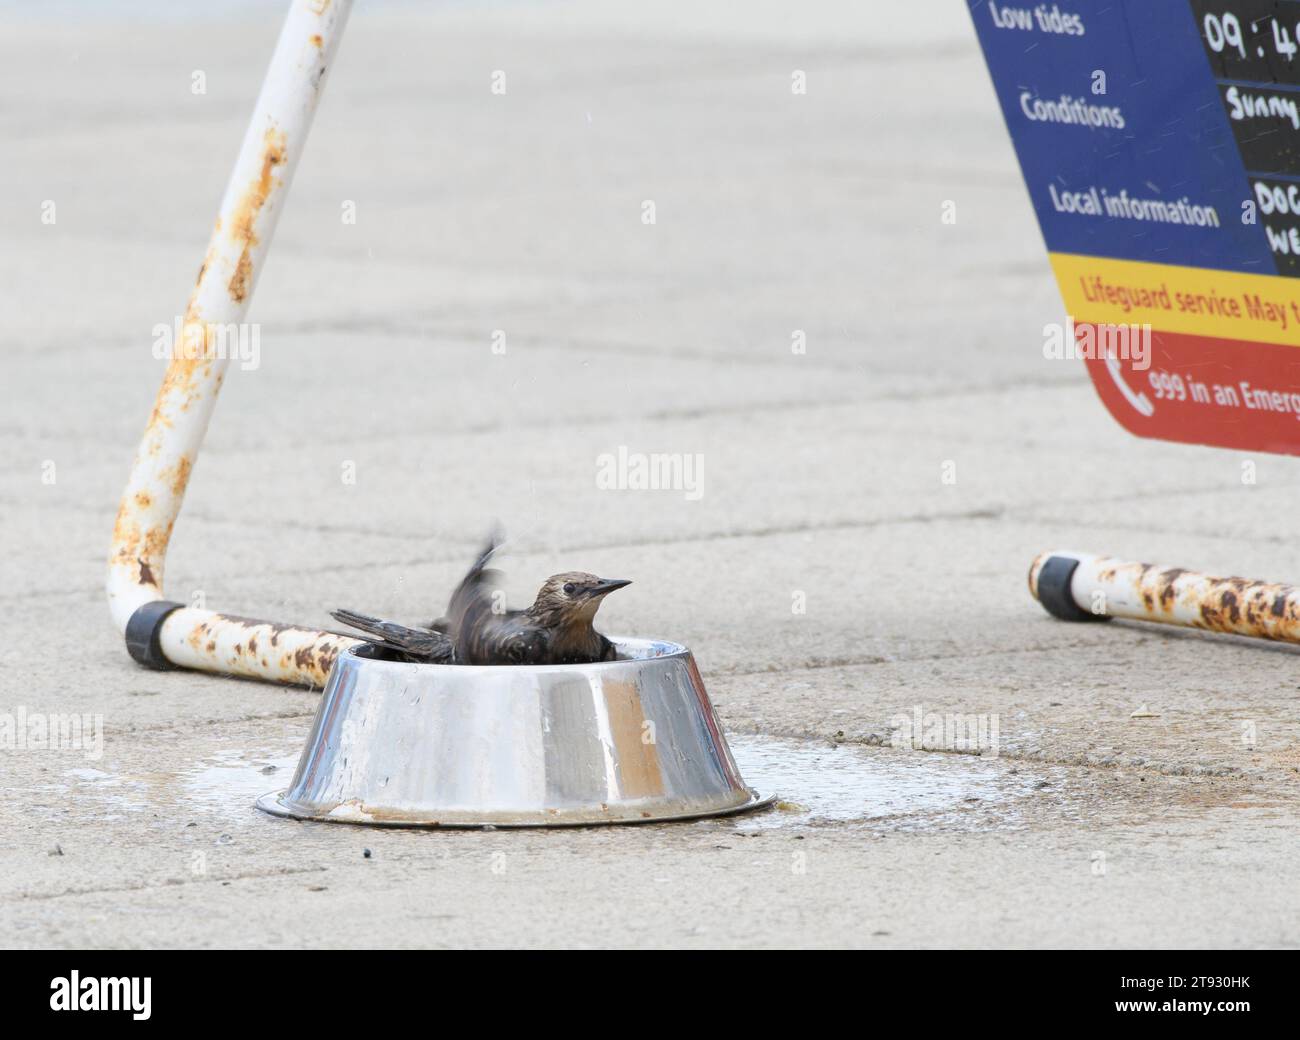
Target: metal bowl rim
{"x": 679, "y": 653}
{"x": 272, "y": 804}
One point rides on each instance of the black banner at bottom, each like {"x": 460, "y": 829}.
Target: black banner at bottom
{"x": 139, "y": 989}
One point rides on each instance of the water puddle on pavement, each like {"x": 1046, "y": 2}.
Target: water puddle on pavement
{"x": 228, "y": 782}
{"x": 113, "y": 793}
{"x": 233, "y": 781}
{"x": 815, "y": 782}
{"x": 818, "y": 782}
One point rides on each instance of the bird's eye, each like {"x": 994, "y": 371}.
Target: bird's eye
{"x": 568, "y": 588}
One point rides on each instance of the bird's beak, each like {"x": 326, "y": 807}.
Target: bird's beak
{"x": 606, "y": 586}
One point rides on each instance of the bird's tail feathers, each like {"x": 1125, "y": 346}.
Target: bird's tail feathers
{"x": 365, "y": 622}
{"x": 417, "y": 642}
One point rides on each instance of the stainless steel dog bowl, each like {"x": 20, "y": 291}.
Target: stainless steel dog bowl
{"x": 418, "y": 745}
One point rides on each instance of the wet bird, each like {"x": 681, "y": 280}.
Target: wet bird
{"x": 477, "y": 629}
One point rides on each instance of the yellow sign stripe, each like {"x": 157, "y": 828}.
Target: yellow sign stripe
{"x": 1192, "y": 300}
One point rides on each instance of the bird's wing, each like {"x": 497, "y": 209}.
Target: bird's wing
{"x": 475, "y": 608}
{"x": 485, "y": 554}
{"x": 475, "y": 622}
{"x": 512, "y": 638}
{"x": 517, "y": 641}
{"x": 418, "y": 642}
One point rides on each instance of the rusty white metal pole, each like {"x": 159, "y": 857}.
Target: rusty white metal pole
{"x": 1086, "y": 587}
{"x": 160, "y": 633}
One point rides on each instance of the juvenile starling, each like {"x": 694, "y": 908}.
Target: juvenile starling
{"x": 477, "y": 629}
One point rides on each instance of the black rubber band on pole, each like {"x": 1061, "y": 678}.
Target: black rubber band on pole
{"x": 1054, "y": 578}
{"x": 144, "y": 631}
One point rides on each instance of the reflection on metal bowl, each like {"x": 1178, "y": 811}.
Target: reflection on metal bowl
{"x": 628, "y": 741}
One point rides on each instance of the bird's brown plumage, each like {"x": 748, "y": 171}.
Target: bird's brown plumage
{"x": 477, "y": 629}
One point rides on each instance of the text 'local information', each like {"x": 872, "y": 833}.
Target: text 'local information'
{"x": 1160, "y": 141}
